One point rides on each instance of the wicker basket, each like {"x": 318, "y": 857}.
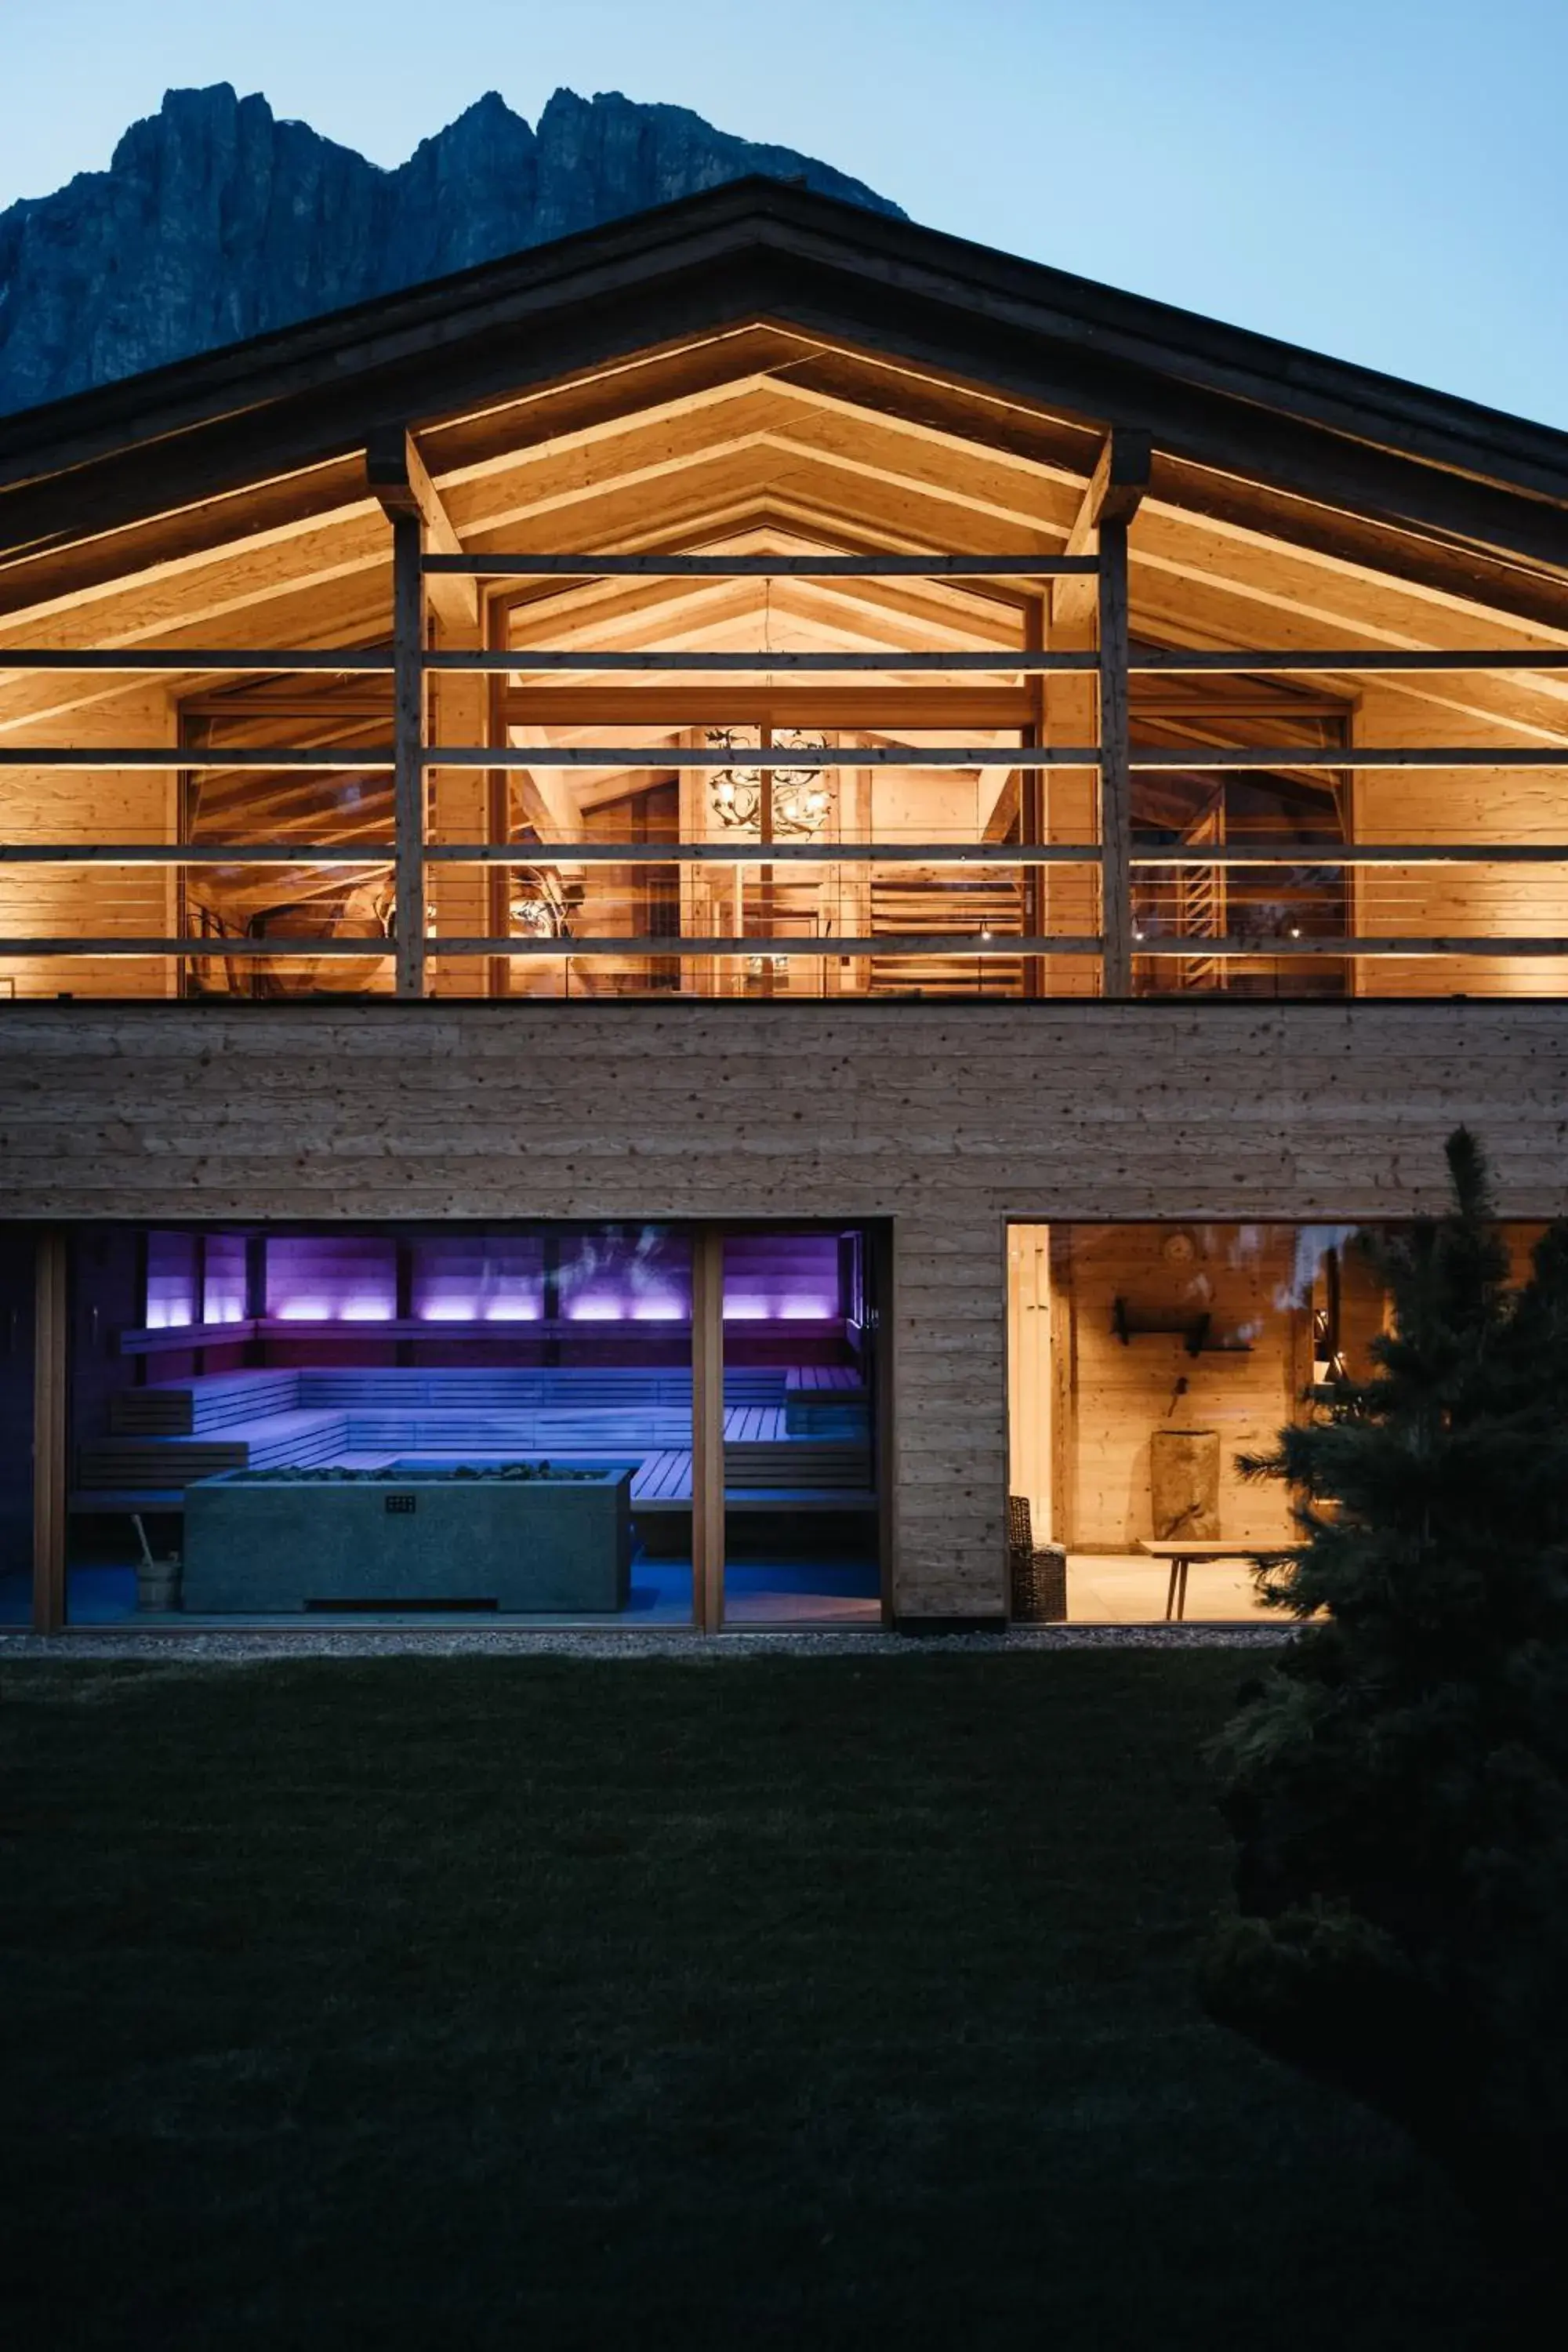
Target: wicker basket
{"x": 1038, "y": 1573}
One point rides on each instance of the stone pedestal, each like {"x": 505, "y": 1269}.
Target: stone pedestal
{"x": 1184, "y": 1483}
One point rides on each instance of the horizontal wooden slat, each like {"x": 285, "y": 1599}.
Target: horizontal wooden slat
{"x": 183, "y": 1335}
{"x": 732, "y": 851}
{"x": 245, "y": 661}
{"x": 260, "y": 661}
{"x": 181, "y": 853}
{"x": 1003, "y": 856}
{"x": 941, "y": 943}
{"x": 778, "y": 755}
{"x": 705, "y": 704}
{"x": 1343, "y": 854}
{"x": 1193, "y": 759}
{"x": 1266, "y": 949}
{"x": 764, "y": 567}
{"x": 1003, "y": 661}
{"x": 1355, "y": 660}
{"x": 661, "y": 944}
{"x": 1198, "y": 758}
{"x": 755, "y": 852}
{"x": 963, "y": 946}
{"x": 141, "y": 755}
{"x": 254, "y": 951}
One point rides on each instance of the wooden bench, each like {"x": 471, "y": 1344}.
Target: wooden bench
{"x": 162, "y": 1438}
{"x": 1181, "y": 1551}
{"x": 270, "y": 1442}
{"x": 662, "y": 1485}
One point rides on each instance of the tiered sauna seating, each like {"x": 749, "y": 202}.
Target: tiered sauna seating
{"x": 794, "y": 1434}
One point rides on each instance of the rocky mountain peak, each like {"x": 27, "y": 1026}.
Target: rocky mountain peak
{"x": 216, "y": 220}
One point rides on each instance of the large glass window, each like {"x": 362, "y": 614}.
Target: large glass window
{"x": 1143, "y": 1359}
{"x": 801, "y": 1392}
{"x": 459, "y": 1420}
{"x": 381, "y": 1424}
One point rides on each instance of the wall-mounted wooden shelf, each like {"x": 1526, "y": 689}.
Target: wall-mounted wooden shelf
{"x": 1196, "y": 1332}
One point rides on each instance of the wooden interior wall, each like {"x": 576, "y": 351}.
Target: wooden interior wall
{"x": 951, "y": 1121}
{"x": 1122, "y": 1392}
{"x": 62, "y": 804}
{"x": 1449, "y": 805}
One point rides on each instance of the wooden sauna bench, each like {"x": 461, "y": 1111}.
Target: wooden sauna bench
{"x": 788, "y": 1431}
{"x": 828, "y": 1476}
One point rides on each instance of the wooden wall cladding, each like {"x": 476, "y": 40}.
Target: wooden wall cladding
{"x": 84, "y": 807}
{"x": 950, "y": 1121}
{"x": 1449, "y": 805}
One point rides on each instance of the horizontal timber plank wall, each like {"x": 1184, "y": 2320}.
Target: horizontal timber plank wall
{"x": 81, "y": 807}
{"x": 948, "y": 1120}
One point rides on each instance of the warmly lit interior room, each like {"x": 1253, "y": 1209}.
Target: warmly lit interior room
{"x": 1143, "y": 1361}
{"x": 803, "y": 800}
{"x": 817, "y": 888}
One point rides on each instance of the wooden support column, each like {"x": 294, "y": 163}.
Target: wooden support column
{"x": 764, "y": 873}
{"x": 1112, "y": 498}
{"x": 498, "y": 821}
{"x": 1032, "y": 816}
{"x": 408, "y": 743}
{"x": 50, "y": 1434}
{"x": 398, "y": 478}
{"x": 1115, "y": 768}
{"x": 1063, "y": 1522}
{"x": 707, "y": 1430}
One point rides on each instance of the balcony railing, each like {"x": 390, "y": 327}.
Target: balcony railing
{"x": 753, "y": 913}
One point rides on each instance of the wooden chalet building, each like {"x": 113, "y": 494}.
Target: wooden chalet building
{"x": 762, "y": 847}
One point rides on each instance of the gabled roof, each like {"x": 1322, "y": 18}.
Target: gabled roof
{"x": 1242, "y": 425}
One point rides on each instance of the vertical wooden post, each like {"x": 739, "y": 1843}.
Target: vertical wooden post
{"x": 1032, "y": 797}
{"x": 707, "y": 1430}
{"x": 879, "y": 1271}
{"x": 49, "y": 1426}
{"x": 1063, "y": 1522}
{"x": 409, "y": 744}
{"x": 1115, "y": 773}
{"x": 765, "y": 917}
{"x": 494, "y": 635}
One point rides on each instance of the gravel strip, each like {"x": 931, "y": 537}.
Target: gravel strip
{"x": 696, "y": 1649}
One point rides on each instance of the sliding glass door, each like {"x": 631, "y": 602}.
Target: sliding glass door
{"x": 801, "y": 1393}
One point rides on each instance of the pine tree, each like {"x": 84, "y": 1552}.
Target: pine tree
{"x": 1397, "y": 1783}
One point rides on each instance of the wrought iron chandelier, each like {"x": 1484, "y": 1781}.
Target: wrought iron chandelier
{"x": 802, "y": 797}
{"x": 532, "y": 906}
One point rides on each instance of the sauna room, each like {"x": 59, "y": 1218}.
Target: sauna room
{"x": 1142, "y": 1359}
{"x": 236, "y": 1392}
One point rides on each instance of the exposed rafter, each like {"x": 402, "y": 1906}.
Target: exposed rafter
{"x": 1115, "y": 492}
{"x": 398, "y": 478}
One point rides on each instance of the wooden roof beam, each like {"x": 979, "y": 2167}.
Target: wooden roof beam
{"x": 400, "y": 482}
{"x": 1115, "y": 492}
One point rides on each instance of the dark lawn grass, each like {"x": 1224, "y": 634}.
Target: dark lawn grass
{"x": 473, "y": 2002}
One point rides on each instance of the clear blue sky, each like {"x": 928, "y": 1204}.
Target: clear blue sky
{"x": 1381, "y": 179}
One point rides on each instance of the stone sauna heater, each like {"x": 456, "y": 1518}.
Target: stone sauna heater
{"x": 523, "y": 1535}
